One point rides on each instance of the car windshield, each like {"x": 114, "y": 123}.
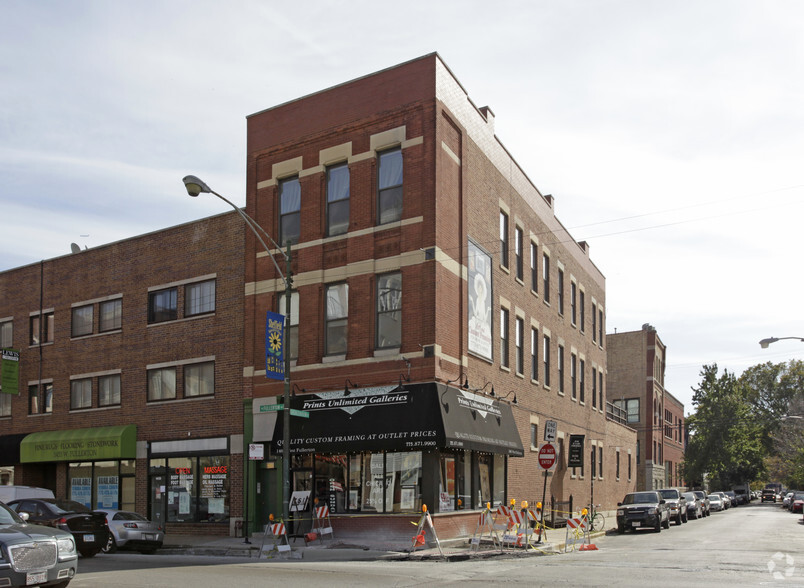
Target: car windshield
{"x": 61, "y": 506}
{"x": 714, "y": 497}
{"x": 640, "y": 498}
{"x": 689, "y": 496}
{"x": 669, "y": 493}
{"x": 8, "y": 516}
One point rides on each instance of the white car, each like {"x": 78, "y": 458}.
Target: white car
{"x": 786, "y": 499}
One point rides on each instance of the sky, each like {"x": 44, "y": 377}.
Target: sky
{"x": 671, "y": 134}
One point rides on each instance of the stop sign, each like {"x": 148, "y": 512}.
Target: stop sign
{"x": 547, "y": 456}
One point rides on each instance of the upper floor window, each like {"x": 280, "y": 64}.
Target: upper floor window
{"x": 519, "y": 338}
{"x": 503, "y": 239}
{"x": 162, "y": 384}
{"x": 337, "y": 199}
{"x": 6, "y": 334}
{"x": 504, "y": 337}
{"x": 534, "y": 273}
{"x": 5, "y": 404}
{"x": 560, "y": 361}
{"x": 534, "y": 353}
{"x": 631, "y": 408}
{"x": 81, "y": 393}
{"x": 560, "y": 291}
{"x": 546, "y": 277}
{"x": 594, "y": 322}
{"x": 574, "y": 376}
{"x": 292, "y": 345}
{"x": 162, "y": 305}
{"x": 111, "y": 315}
{"x": 199, "y": 379}
{"x": 581, "y": 381}
{"x": 82, "y": 320}
{"x": 109, "y": 390}
{"x": 546, "y": 356}
{"x": 582, "y": 309}
{"x": 389, "y": 310}
{"x": 336, "y": 318}
{"x": 199, "y": 298}
{"x": 573, "y": 302}
{"x": 42, "y": 326}
{"x": 289, "y": 211}
{"x": 600, "y": 325}
{"x": 389, "y": 198}
{"x": 40, "y": 398}
{"x": 519, "y": 252}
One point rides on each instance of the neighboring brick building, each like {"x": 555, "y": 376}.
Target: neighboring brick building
{"x": 427, "y": 268}
{"x": 130, "y": 374}
{"x": 636, "y": 389}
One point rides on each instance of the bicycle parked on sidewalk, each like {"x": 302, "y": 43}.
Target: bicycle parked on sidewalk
{"x": 597, "y": 522}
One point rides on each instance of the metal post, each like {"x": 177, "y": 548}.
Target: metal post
{"x": 286, "y": 409}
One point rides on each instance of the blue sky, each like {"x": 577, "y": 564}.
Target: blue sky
{"x": 670, "y": 134}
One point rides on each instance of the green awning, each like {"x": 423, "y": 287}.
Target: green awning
{"x": 80, "y": 444}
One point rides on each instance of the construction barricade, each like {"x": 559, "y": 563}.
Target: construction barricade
{"x": 277, "y": 534}
{"x": 425, "y": 522}
{"x": 485, "y": 524}
{"x": 321, "y": 525}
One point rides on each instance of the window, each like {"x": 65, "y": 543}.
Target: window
{"x": 292, "y": 345}
{"x": 81, "y": 394}
{"x": 162, "y": 384}
{"x": 629, "y": 466}
{"x": 109, "y": 390}
{"x": 504, "y": 336}
{"x": 162, "y": 305}
{"x": 6, "y": 334}
{"x": 637, "y": 452}
{"x": 289, "y": 211}
{"x": 199, "y": 298}
{"x": 111, "y": 315}
{"x": 82, "y": 321}
{"x": 389, "y": 311}
{"x": 389, "y": 205}
{"x": 631, "y": 408}
{"x": 573, "y": 302}
{"x": 574, "y": 376}
{"x": 520, "y": 345}
{"x": 600, "y": 325}
{"x": 600, "y": 390}
{"x": 199, "y": 379}
{"x": 593, "y": 461}
{"x": 581, "y": 304}
{"x": 518, "y": 245}
{"x": 594, "y": 387}
{"x": 5, "y": 404}
{"x": 582, "y": 381}
{"x": 546, "y": 355}
{"x": 600, "y": 463}
{"x": 534, "y": 354}
{"x": 40, "y": 398}
{"x": 503, "y": 239}
{"x": 534, "y": 272}
{"x": 42, "y": 328}
{"x": 534, "y": 436}
{"x": 336, "y": 316}
{"x": 546, "y": 277}
{"x": 594, "y": 322}
{"x": 337, "y": 199}
{"x": 617, "y": 454}
{"x": 561, "y": 369}
{"x": 560, "y": 291}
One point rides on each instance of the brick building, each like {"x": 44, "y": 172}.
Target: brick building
{"x": 636, "y": 391}
{"x": 429, "y": 275}
{"x": 129, "y": 384}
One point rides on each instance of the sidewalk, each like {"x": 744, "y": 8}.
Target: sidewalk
{"x": 348, "y": 549}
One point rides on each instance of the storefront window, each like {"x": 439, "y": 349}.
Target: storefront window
{"x": 80, "y": 483}
{"x": 330, "y": 481}
{"x": 499, "y": 479}
{"x": 102, "y": 484}
{"x": 213, "y": 501}
{"x": 403, "y": 481}
{"x": 446, "y": 484}
{"x": 181, "y": 490}
{"x": 485, "y": 472}
{"x": 463, "y": 479}
{"x": 107, "y": 484}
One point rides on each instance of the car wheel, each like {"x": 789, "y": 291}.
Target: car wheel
{"x": 111, "y": 545}
{"x": 684, "y": 519}
{"x": 666, "y": 524}
{"x": 658, "y": 527}
{"x": 621, "y": 529}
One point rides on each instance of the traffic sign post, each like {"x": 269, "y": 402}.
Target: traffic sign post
{"x": 550, "y": 428}
{"x": 547, "y": 459}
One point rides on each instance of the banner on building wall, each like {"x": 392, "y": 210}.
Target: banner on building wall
{"x": 575, "y": 458}
{"x": 480, "y": 316}
{"x": 10, "y": 368}
{"x": 274, "y": 346}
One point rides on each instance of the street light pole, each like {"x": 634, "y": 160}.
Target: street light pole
{"x": 195, "y": 186}
{"x": 766, "y": 342}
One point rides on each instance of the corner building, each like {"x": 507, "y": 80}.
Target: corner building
{"x": 441, "y": 314}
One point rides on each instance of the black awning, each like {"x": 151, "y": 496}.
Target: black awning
{"x": 10, "y": 449}
{"x": 413, "y": 417}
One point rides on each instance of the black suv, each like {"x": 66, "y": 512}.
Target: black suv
{"x": 768, "y": 495}
{"x": 642, "y": 509}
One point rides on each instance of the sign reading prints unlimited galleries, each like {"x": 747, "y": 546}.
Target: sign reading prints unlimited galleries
{"x": 401, "y": 418}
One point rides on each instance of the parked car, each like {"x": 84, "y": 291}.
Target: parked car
{"x": 675, "y": 504}
{"x": 694, "y": 505}
{"x": 726, "y": 500}
{"x": 87, "y": 527}
{"x": 705, "y": 501}
{"x": 733, "y": 497}
{"x": 130, "y": 530}
{"x": 786, "y": 500}
{"x": 797, "y": 502}
{"x": 33, "y": 554}
{"x": 768, "y": 495}
{"x": 715, "y": 502}
{"x": 9, "y": 493}
{"x": 642, "y": 509}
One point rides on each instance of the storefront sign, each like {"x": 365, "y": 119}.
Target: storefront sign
{"x": 80, "y": 444}
{"x": 10, "y": 369}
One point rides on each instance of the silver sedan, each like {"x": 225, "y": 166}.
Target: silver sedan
{"x": 130, "y": 530}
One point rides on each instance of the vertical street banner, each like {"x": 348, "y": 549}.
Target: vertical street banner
{"x": 480, "y": 296}
{"x": 274, "y": 346}
{"x": 10, "y": 369}
{"x": 575, "y": 458}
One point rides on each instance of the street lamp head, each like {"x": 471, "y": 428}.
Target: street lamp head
{"x": 195, "y": 185}
{"x": 765, "y": 342}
